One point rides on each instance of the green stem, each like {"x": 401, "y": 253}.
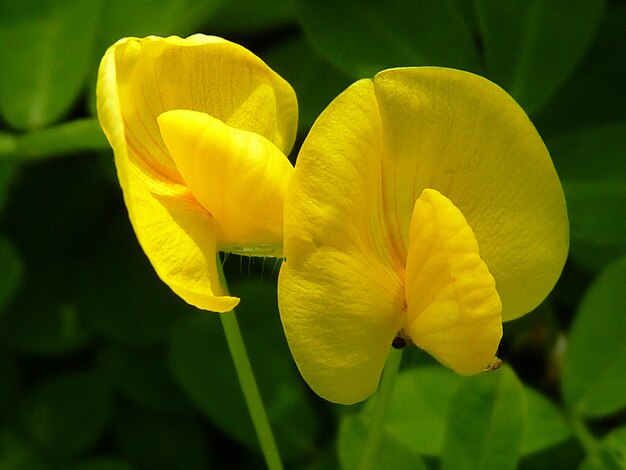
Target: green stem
{"x": 584, "y": 436}
{"x": 248, "y": 384}
{"x": 68, "y": 138}
{"x": 383, "y": 400}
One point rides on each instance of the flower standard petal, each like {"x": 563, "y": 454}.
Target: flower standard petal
{"x": 138, "y": 80}
{"x": 453, "y": 308}
{"x": 239, "y": 176}
{"x": 464, "y": 136}
{"x": 202, "y": 73}
{"x": 341, "y": 297}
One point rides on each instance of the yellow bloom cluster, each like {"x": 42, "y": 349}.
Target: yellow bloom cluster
{"x": 423, "y": 205}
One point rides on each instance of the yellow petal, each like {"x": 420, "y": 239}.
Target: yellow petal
{"x": 179, "y": 239}
{"x": 464, "y": 136}
{"x": 202, "y": 73}
{"x": 349, "y": 208}
{"x": 240, "y": 177}
{"x": 138, "y": 80}
{"x": 341, "y": 296}
{"x": 453, "y": 308}
{"x": 339, "y": 322}
{"x": 177, "y": 235}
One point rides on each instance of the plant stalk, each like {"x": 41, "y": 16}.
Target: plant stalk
{"x": 248, "y": 384}
{"x": 383, "y": 400}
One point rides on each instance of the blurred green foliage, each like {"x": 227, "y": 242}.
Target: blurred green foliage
{"x": 103, "y": 368}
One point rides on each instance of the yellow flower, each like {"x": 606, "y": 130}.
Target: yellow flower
{"x": 425, "y": 206}
{"x": 200, "y": 128}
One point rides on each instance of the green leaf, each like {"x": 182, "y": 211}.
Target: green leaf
{"x": 103, "y": 463}
{"x": 564, "y": 456}
{"x": 597, "y": 232}
{"x": 419, "y": 408}
{"x": 251, "y": 16}
{"x": 616, "y": 440}
{"x": 65, "y": 415}
{"x": 392, "y": 453}
{"x": 591, "y": 165}
{"x": 468, "y": 10}
{"x": 161, "y": 442}
{"x": 607, "y": 457}
{"x": 595, "y": 94}
{"x": 590, "y": 154}
{"x": 594, "y": 383}
{"x": 8, "y": 380}
{"x": 7, "y": 144}
{"x": 546, "y": 425}
{"x": 201, "y": 363}
{"x": 139, "y": 18}
{"x": 485, "y": 423}
{"x": 43, "y": 317}
{"x": 10, "y": 271}
{"x": 34, "y": 326}
{"x": 315, "y": 80}
{"x": 415, "y": 423}
{"x": 57, "y": 207}
{"x": 68, "y": 138}
{"x": 142, "y": 376}
{"x": 365, "y": 37}
{"x": 15, "y": 454}
{"x": 603, "y": 461}
{"x": 48, "y": 49}
{"x": 532, "y": 47}
{"x": 611, "y": 454}
{"x": 121, "y": 295}
{"x": 325, "y": 459}
{"x": 8, "y": 172}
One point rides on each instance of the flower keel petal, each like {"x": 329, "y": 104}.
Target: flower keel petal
{"x": 454, "y": 311}
{"x": 240, "y": 177}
